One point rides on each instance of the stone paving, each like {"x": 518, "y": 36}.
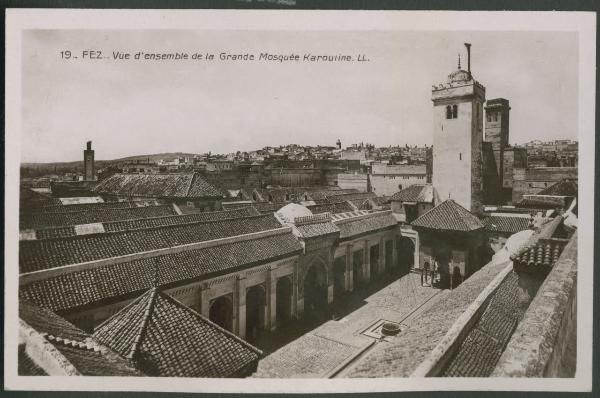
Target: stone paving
{"x": 320, "y": 351}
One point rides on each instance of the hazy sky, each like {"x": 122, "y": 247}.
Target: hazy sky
{"x": 141, "y": 107}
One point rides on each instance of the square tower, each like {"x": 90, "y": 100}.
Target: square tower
{"x": 457, "y": 139}
{"x": 88, "y": 163}
{"x": 496, "y": 130}
{"x": 496, "y": 124}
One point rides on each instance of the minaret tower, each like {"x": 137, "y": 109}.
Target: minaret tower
{"x": 457, "y": 137}
{"x": 89, "y": 174}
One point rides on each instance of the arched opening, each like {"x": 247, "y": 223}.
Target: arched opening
{"x": 221, "y": 312}
{"x": 339, "y": 277}
{"x": 357, "y": 266}
{"x": 454, "y": 111}
{"x": 448, "y": 112}
{"x": 455, "y": 278}
{"x": 255, "y": 311}
{"x": 406, "y": 254}
{"x": 389, "y": 253}
{"x": 315, "y": 289}
{"x": 374, "y": 259}
{"x": 283, "y": 303}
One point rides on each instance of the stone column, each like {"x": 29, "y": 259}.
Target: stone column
{"x": 417, "y": 248}
{"x": 240, "y": 306}
{"x": 367, "y": 263}
{"x": 271, "y": 318}
{"x": 349, "y": 270}
{"x": 298, "y": 290}
{"x": 204, "y": 300}
{"x": 330, "y": 294}
{"x": 381, "y": 255}
{"x": 395, "y": 251}
{"x": 295, "y": 307}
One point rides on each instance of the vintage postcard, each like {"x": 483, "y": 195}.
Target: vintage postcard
{"x": 368, "y": 200}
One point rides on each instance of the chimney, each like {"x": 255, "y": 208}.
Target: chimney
{"x": 468, "y": 45}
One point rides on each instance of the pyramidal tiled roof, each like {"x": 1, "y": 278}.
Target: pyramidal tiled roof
{"x": 415, "y": 193}
{"x": 86, "y": 354}
{"x": 449, "y": 216}
{"x": 163, "y": 337}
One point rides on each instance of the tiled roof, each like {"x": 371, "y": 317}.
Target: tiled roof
{"x": 36, "y": 255}
{"x": 190, "y": 185}
{"x": 55, "y": 232}
{"x": 166, "y": 338}
{"x": 334, "y": 208}
{"x": 41, "y": 220}
{"x": 45, "y": 321}
{"x": 421, "y": 193}
{"x": 106, "y": 282}
{"x": 478, "y": 354}
{"x": 539, "y": 257}
{"x": 81, "y": 207}
{"x": 153, "y": 222}
{"x": 510, "y": 225}
{"x": 318, "y": 229}
{"x": 561, "y": 188}
{"x": 315, "y": 225}
{"x": 365, "y": 223}
{"x": 448, "y": 216}
{"x": 88, "y": 356}
{"x": 182, "y": 219}
{"x": 542, "y": 201}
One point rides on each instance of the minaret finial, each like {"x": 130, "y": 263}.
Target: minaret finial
{"x": 459, "y": 61}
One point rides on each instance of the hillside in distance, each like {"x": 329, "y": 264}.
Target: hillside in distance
{"x": 38, "y": 169}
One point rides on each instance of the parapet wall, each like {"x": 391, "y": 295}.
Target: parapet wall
{"x": 544, "y": 343}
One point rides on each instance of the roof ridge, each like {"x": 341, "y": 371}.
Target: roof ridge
{"x": 105, "y": 233}
{"x": 144, "y": 326}
{"x": 189, "y": 188}
{"x": 207, "y": 320}
{"x": 37, "y": 213}
{"x": 126, "y": 308}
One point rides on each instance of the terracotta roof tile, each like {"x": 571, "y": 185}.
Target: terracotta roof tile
{"x": 88, "y": 287}
{"x": 86, "y": 354}
{"x": 448, "y": 216}
{"x": 166, "y": 338}
{"x": 180, "y": 219}
{"x": 80, "y": 207}
{"x": 43, "y": 220}
{"x": 181, "y": 185}
{"x": 539, "y": 257}
{"x": 503, "y": 224}
{"x": 543, "y": 201}
{"x": 334, "y": 208}
{"x": 36, "y": 255}
{"x": 421, "y": 193}
{"x": 354, "y": 226}
{"x": 479, "y": 353}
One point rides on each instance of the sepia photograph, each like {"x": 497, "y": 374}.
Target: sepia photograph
{"x": 374, "y": 201}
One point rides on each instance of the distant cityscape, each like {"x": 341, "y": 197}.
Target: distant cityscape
{"x": 362, "y": 166}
